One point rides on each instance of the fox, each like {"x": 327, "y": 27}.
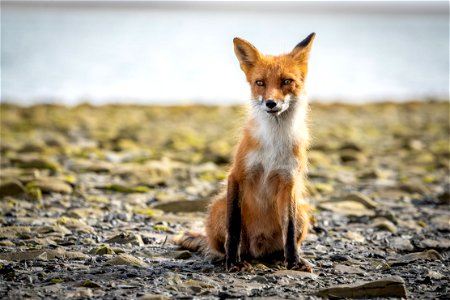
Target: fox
{"x": 262, "y": 211}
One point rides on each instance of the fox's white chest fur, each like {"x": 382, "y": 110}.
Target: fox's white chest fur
{"x": 277, "y": 137}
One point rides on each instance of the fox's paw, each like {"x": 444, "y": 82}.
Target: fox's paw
{"x": 240, "y": 267}
{"x": 300, "y": 265}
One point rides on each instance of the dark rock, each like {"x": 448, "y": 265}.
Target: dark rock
{"x": 184, "y": 254}
{"x": 11, "y": 188}
{"x": 125, "y": 238}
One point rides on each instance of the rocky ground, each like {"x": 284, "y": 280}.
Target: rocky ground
{"x": 90, "y": 198}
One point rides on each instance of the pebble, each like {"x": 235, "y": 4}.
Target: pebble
{"x": 385, "y": 287}
{"x": 401, "y": 244}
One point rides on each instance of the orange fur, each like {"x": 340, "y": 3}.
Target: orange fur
{"x": 270, "y": 163}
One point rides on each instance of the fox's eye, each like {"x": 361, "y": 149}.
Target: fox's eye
{"x": 259, "y": 83}
{"x": 286, "y": 81}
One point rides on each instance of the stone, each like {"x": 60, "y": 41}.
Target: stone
{"x": 385, "y": 287}
{"x": 35, "y": 162}
{"x": 414, "y": 188}
{"x": 90, "y": 284}
{"x": 384, "y": 224}
{"x": 344, "y": 269}
{"x": 75, "y": 224}
{"x": 440, "y": 243}
{"x": 93, "y": 166}
{"x": 352, "y": 156}
{"x": 62, "y": 230}
{"x": 11, "y": 188}
{"x": 184, "y": 254}
{"x": 126, "y": 259}
{"x": 322, "y": 187}
{"x": 102, "y": 250}
{"x": 412, "y": 257}
{"x": 126, "y": 238}
{"x": 349, "y": 208}
{"x": 153, "y": 297}
{"x": 296, "y": 274}
{"x": 50, "y": 185}
{"x": 435, "y": 275}
{"x": 121, "y": 188}
{"x": 11, "y": 232}
{"x": 43, "y": 255}
{"x": 444, "y": 197}
{"x": 402, "y": 244}
{"x": 352, "y": 204}
{"x": 148, "y": 212}
{"x": 441, "y": 222}
{"x": 184, "y": 206}
{"x": 354, "y": 236}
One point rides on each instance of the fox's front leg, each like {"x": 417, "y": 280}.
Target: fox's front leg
{"x": 292, "y": 225}
{"x": 233, "y": 224}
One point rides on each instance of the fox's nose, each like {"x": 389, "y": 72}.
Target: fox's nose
{"x": 271, "y": 104}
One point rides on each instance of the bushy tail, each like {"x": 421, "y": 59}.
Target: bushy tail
{"x": 192, "y": 241}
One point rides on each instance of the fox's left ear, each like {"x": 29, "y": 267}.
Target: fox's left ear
{"x": 301, "y": 51}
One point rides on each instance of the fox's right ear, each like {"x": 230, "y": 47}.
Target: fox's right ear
{"x": 246, "y": 53}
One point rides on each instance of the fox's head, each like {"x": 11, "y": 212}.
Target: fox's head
{"x": 276, "y": 81}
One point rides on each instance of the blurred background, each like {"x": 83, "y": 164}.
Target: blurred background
{"x": 181, "y": 52}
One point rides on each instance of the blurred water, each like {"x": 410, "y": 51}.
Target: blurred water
{"x": 165, "y": 57}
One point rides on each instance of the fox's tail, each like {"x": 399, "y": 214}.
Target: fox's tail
{"x": 193, "y": 241}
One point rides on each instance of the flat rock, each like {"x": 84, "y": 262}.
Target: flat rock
{"x": 385, "y": 287}
{"x": 402, "y": 244}
{"x": 354, "y": 236}
{"x": 411, "y": 257}
{"x": 384, "y": 224}
{"x": 53, "y": 229}
{"x": 440, "y": 243}
{"x": 184, "y": 206}
{"x": 352, "y": 204}
{"x": 51, "y": 185}
{"x": 43, "y": 254}
{"x": 183, "y": 254}
{"x": 296, "y": 274}
{"x": 35, "y": 162}
{"x": 126, "y": 259}
{"x": 349, "y": 208}
{"x": 153, "y": 297}
{"x": 10, "y": 232}
{"x": 75, "y": 224}
{"x": 344, "y": 269}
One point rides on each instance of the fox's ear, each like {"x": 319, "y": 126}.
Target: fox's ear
{"x": 301, "y": 51}
{"x": 246, "y": 53}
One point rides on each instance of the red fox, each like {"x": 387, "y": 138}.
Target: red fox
{"x": 262, "y": 210}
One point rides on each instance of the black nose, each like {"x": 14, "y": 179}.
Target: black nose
{"x": 271, "y": 104}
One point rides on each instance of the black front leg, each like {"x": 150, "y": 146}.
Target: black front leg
{"x": 233, "y": 223}
{"x": 290, "y": 247}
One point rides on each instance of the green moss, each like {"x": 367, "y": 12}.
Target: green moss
{"x": 125, "y": 189}
{"x": 34, "y": 191}
{"x": 56, "y": 280}
{"x": 90, "y": 284}
{"x": 102, "y": 250}
{"x": 161, "y": 227}
{"x": 148, "y": 212}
